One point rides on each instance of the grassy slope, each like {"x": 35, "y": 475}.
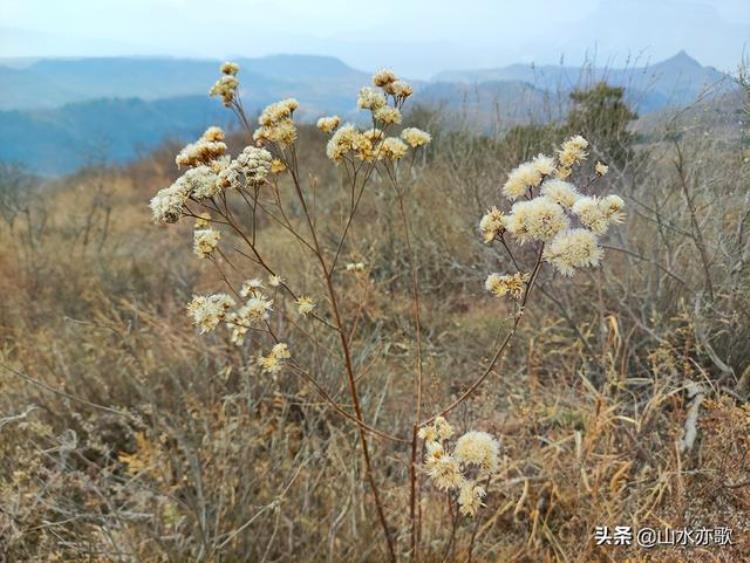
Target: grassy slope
{"x": 588, "y": 403}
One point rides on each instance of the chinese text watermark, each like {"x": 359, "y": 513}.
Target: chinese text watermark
{"x": 655, "y": 537}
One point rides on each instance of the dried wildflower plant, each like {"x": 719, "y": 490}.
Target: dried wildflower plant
{"x": 559, "y": 219}
{"x": 473, "y": 461}
{"x": 227, "y": 196}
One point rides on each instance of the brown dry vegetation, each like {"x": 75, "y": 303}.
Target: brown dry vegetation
{"x": 127, "y": 436}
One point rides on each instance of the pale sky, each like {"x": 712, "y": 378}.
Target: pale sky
{"x": 415, "y": 37}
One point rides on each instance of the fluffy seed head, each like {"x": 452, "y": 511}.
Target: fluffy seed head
{"x": 576, "y": 248}
{"x": 440, "y": 429}
{"x": 444, "y": 430}
{"x": 428, "y": 434}
{"x": 281, "y": 351}
{"x": 363, "y": 147}
{"x": 387, "y": 115}
{"x": 205, "y": 241}
{"x": 520, "y": 179}
{"x": 283, "y": 133}
{"x": 399, "y": 89}
{"x": 201, "y": 182}
{"x": 225, "y": 88}
{"x": 203, "y": 220}
{"x": 478, "y": 448}
{"x": 492, "y": 225}
{"x": 543, "y": 164}
{"x": 415, "y": 137}
{"x": 277, "y": 112}
{"x": 572, "y": 152}
{"x": 443, "y": 469}
{"x": 208, "y": 310}
{"x": 513, "y": 285}
{"x": 257, "y": 307}
{"x": 342, "y": 142}
{"x": 254, "y": 311}
{"x": 203, "y": 151}
{"x": 371, "y": 99}
{"x": 251, "y": 287}
{"x": 613, "y": 206}
{"x": 167, "y": 204}
{"x": 561, "y": 192}
{"x": 470, "y": 498}
{"x": 597, "y": 214}
{"x": 229, "y": 177}
{"x": 383, "y": 77}
{"x": 539, "y": 219}
{"x": 328, "y": 124}
{"x": 373, "y": 135}
{"x": 274, "y": 361}
{"x": 305, "y": 305}
{"x": 213, "y": 133}
{"x": 254, "y": 163}
{"x": 393, "y": 148}
{"x": 230, "y": 68}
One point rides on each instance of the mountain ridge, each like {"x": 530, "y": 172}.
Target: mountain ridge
{"x": 56, "y": 113}
{"x": 678, "y": 80}
{"x": 56, "y": 82}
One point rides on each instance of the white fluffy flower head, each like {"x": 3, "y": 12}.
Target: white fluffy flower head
{"x": 575, "y": 248}
{"x": 538, "y": 219}
{"x": 371, "y": 99}
{"x": 205, "y": 241}
{"x": 492, "y": 225}
{"x": 478, "y": 448}
{"x": 470, "y": 498}
{"x": 415, "y": 137}
{"x": 208, "y": 310}
{"x": 561, "y": 192}
{"x": 328, "y": 124}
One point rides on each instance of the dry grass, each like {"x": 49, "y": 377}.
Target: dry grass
{"x": 126, "y": 436}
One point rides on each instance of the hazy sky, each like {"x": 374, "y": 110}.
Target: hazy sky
{"x": 416, "y": 37}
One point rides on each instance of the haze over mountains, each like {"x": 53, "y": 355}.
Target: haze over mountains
{"x": 58, "y": 114}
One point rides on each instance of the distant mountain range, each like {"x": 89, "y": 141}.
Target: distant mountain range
{"x": 58, "y": 114}
{"x": 49, "y": 83}
{"x": 675, "y": 82}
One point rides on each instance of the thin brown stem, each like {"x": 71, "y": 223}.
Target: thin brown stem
{"x": 413, "y": 478}
{"x": 323, "y": 393}
{"x": 338, "y": 322}
{"x": 476, "y": 528}
{"x": 516, "y": 321}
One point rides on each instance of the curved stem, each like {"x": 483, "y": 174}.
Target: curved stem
{"x": 323, "y": 393}
{"x": 516, "y": 321}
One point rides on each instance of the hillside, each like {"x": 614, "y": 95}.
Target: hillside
{"x": 117, "y": 130}
{"x": 59, "y": 141}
